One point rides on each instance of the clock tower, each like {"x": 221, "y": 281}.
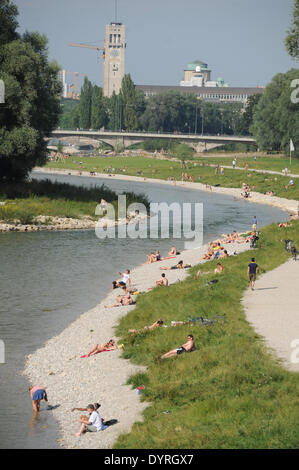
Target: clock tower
{"x": 114, "y": 58}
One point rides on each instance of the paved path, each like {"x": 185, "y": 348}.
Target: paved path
{"x": 266, "y": 172}
{"x": 273, "y": 310}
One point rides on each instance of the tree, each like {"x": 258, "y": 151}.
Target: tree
{"x": 129, "y": 104}
{"x": 247, "y": 117}
{"x": 114, "y": 107}
{"x": 292, "y": 39}
{"x": 69, "y": 118}
{"x": 85, "y": 105}
{"x": 32, "y": 89}
{"x": 98, "y": 111}
{"x": 276, "y": 117}
{"x": 8, "y": 21}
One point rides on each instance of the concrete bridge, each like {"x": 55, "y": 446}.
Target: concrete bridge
{"x": 125, "y": 139}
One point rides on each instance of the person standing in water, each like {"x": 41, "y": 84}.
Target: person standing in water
{"x": 37, "y": 394}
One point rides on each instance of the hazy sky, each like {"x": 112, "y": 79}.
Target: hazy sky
{"x": 241, "y": 40}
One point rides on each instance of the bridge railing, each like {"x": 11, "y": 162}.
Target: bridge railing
{"x": 179, "y": 134}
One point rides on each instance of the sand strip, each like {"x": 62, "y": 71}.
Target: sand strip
{"x": 75, "y": 382}
{"x": 273, "y": 310}
{"x": 289, "y": 205}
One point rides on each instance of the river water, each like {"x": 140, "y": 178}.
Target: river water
{"x": 49, "y": 278}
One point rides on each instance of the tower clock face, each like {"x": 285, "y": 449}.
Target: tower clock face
{"x": 114, "y": 52}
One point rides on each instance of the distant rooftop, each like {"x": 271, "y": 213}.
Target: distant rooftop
{"x": 196, "y": 63}
{"x": 202, "y": 90}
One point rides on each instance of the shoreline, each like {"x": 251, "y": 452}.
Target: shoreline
{"x": 288, "y": 205}
{"x": 64, "y": 223}
{"x": 72, "y": 381}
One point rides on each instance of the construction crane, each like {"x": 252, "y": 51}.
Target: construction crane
{"x": 75, "y": 95}
{"x": 88, "y": 46}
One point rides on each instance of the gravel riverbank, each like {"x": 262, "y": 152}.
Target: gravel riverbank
{"x": 72, "y": 381}
{"x": 43, "y": 222}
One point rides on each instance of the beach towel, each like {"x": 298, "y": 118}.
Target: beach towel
{"x": 104, "y": 350}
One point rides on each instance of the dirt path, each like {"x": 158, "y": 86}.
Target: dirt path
{"x": 273, "y": 310}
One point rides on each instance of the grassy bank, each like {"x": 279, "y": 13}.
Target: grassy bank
{"x": 268, "y": 163}
{"x": 165, "y": 169}
{"x": 24, "y": 201}
{"x": 230, "y": 393}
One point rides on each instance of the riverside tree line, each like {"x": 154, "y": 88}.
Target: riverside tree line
{"x": 32, "y": 107}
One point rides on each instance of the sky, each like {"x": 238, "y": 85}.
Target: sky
{"x": 242, "y": 41}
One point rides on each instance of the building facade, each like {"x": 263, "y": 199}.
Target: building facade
{"x": 114, "y": 58}
{"x": 213, "y": 94}
{"x": 62, "y": 79}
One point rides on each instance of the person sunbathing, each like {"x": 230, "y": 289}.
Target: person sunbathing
{"x": 157, "y": 324}
{"x": 224, "y": 254}
{"x": 121, "y": 296}
{"x": 97, "y": 348}
{"x": 150, "y": 258}
{"x": 172, "y": 252}
{"x": 217, "y": 270}
{"x": 178, "y": 323}
{"x": 232, "y": 237}
{"x": 163, "y": 281}
{"x": 155, "y": 257}
{"x": 208, "y": 255}
{"x": 189, "y": 346}
{"x": 124, "y": 300}
{"x": 180, "y": 265}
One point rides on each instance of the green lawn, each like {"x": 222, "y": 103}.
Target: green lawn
{"x": 27, "y": 200}
{"x": 262, "y": 162}
{"x": 163, "y": 169}
{"x": 230, "y": 393}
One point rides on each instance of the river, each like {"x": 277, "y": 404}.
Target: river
{"x": 49, "y": 278}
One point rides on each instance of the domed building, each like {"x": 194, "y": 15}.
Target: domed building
{"x": 197, "y": 73}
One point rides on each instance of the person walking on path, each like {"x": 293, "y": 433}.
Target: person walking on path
{"x": 234, "y": 163}
{"x": 37, "y": 394}
{"x": 253, "y": 268}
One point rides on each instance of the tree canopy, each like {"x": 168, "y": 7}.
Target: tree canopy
{"x": 32, "y": 89}
{"x": 276, "y": 117}
{"x": 292, "y": 39}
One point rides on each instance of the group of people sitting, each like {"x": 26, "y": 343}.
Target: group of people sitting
{"x": 153, "y": 257}
{"x": 125, "y": 297}
{"x": 189, "y": 346}
{"x": 245, "y": 190}
{"x": 164, "y": 281}
{"x": 187, "y": 177}
{"x": 218, "y": 270}
{"x": 216, "y": 250}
